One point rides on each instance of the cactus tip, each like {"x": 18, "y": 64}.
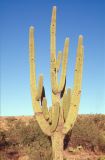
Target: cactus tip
{"x": 67, "y": 39}
{"x": 31, "y": 27}
{"x": 54, "y": 7}
{"x": 41, "y": 76}
{"x": 80, "y": 40}
{"x": 81, "y": 37}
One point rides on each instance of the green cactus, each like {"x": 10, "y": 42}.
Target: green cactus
{"x": 60, "y": 118}
{"x": 55, "y": 116}
{"x": 66, "y": 102}
{"x": 58, "y": 61}
{"x": 50, "y": 115}
{"x": 45, "y": 109}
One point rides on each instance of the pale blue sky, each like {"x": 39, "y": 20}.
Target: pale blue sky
{"x": 74, "y": 17}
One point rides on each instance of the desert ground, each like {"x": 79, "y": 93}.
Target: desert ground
{"x": 22, "y": 139}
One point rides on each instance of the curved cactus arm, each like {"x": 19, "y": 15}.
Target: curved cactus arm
{"x": 55, "y": 116}
{"x": 41, "y": 120}
{"x": 58, "y": 62}
{"x": 75, "y": 99}
{"x": 64, "y": 64}
{"x": 45, "y": 109}
{"x": 36, "y": 93}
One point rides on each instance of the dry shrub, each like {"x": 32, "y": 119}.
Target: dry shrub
{"x": 88, "y": 132}
{"x": 29, "y": 138}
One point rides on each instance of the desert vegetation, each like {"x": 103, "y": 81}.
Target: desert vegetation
{"x": 22, "y": 139}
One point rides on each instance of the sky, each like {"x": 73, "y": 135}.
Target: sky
{"x": 74, "y": 17}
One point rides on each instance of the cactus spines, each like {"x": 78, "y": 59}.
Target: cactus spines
{"x": 60, "y": 117}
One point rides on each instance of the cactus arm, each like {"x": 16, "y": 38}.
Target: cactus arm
{"x": 53, "y": 71}
{"x": 68, "y": 99}
{"x": 40, "y": 88}
{"x": 55, "y": 64}
{"x": 55, "y": 116}
{"x": 79, "y": 66}
{"x": 32, "y": 62}
{"x": 32, "y": 68}
{"x": 50, "y": 115}
{"x": 41, "y": 120}
{"x": 45, "y": 109}
{"x": 66, "y": 103}
{"x": 75, "y": 99}
{"x": 54, "y": 98}
{"x": 36, "y": 93}
{"x": 54, "y": 82}
{"x": 53, "y": 35}
{"x": 61, "y": 120}
{"x": 58, "y": 61}
{"x": 64, "y": 64}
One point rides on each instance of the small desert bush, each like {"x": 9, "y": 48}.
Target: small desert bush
{"x": 39, "y": 153}
{"x": 86, "y": 132}
{"x": 101, "y": 141}
{"x": 23, "y": 134}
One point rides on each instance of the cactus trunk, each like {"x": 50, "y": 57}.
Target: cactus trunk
{"x": 57, "y": 145}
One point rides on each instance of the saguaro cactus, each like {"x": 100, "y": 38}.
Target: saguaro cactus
{"x": 58, "y": 119}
